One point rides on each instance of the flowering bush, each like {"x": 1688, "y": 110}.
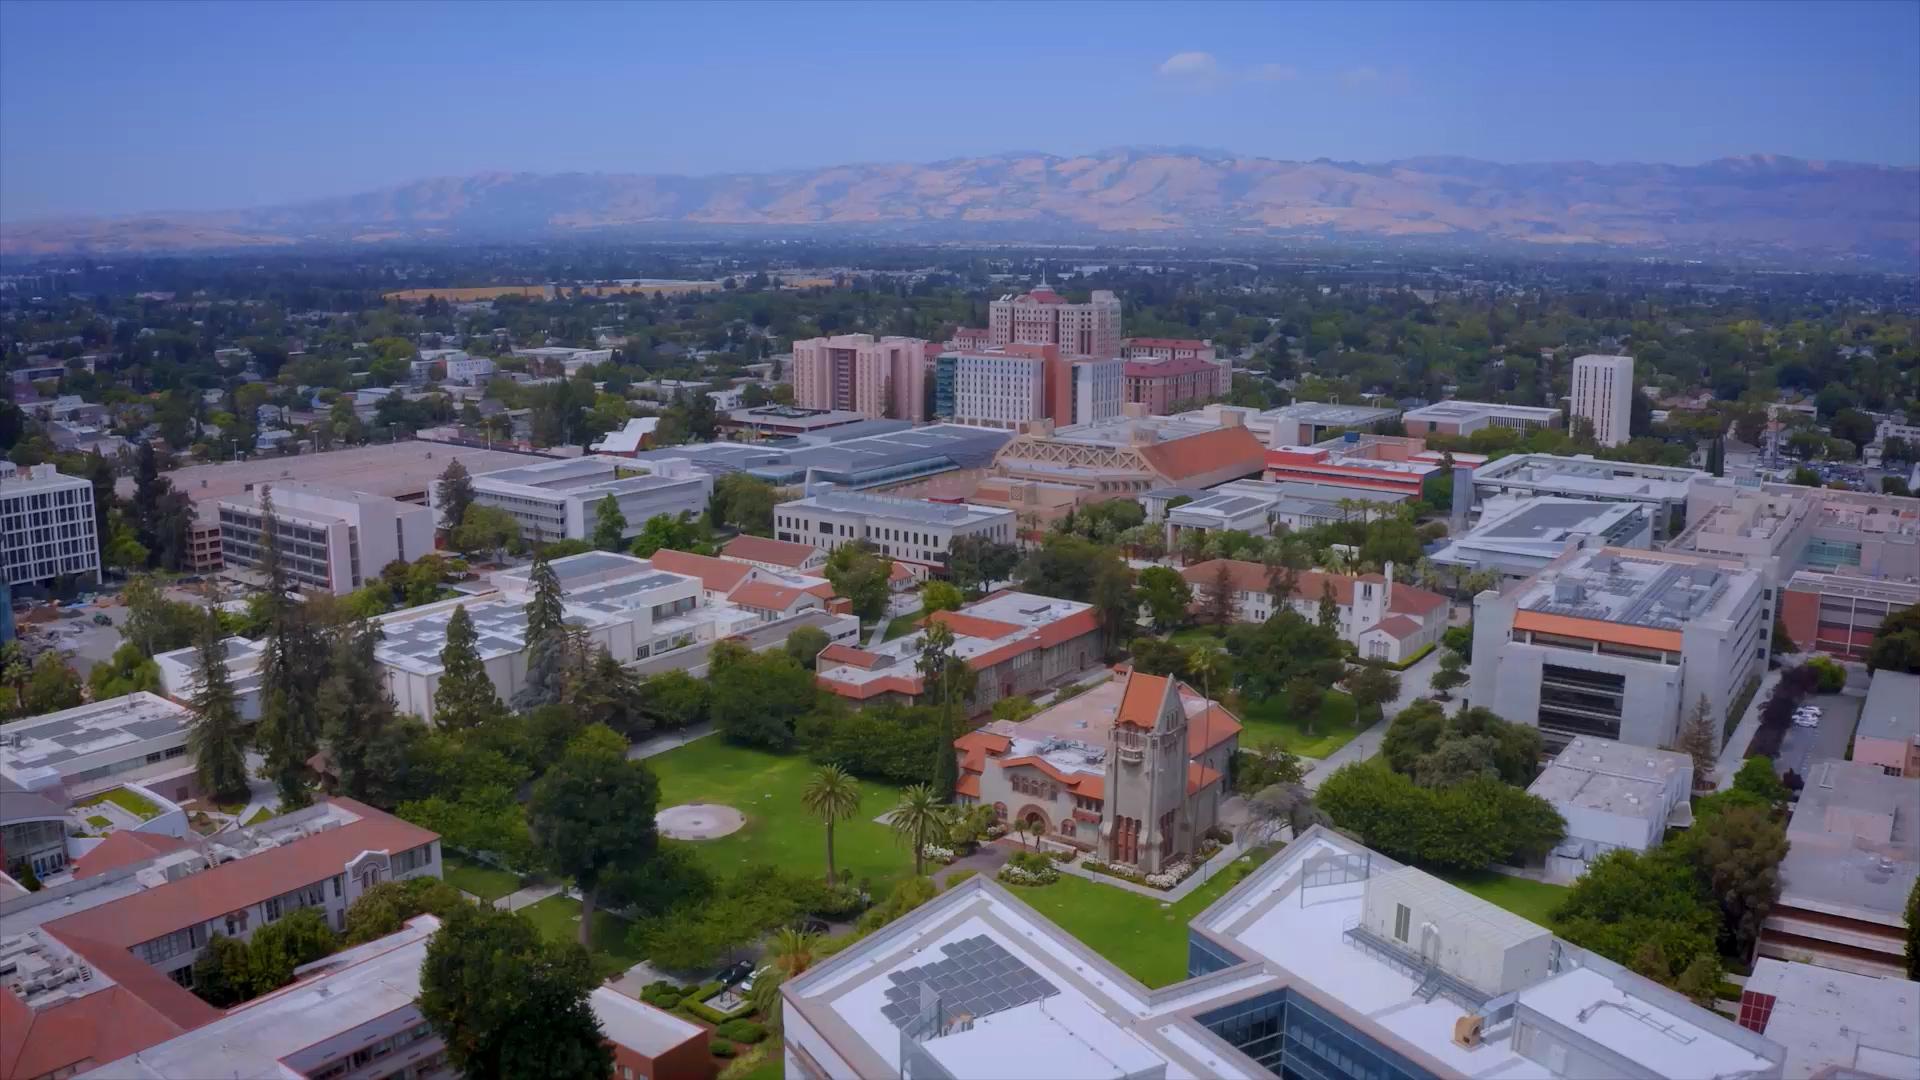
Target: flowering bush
{"x": 1171, "y": 876}
{"x": 936, "y": 853}
{"x": 1018, "y": 875}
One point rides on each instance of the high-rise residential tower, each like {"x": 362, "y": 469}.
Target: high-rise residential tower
{"x": 1603, "y": 395}
{"x": 879, "y": 378}
{"x": 1044, "y": 317}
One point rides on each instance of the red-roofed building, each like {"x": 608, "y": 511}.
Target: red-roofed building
{"x": 1132, "y": 770}
{"x": 1162, "y": 372}
{"x": 1381, "y": 618}
{"x": 767, "y": 553}
{"x": 144, "y": 909}
{"x": 718, "y": 577}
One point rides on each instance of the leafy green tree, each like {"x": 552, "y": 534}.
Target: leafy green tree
{"x": 976, "y": 562}
{"x": 1736, "y": 855}
{"x": 744, "y": 502}
{"x": 546, "y": 637}
{"x": 937, "y": 595}
{"x": 1158, "y": 656}
{"x": 278, "y": 947}
{"x": 804, "y": 645}
{"x": 355, "y": 706}
{"x": 1451, "y": 675}
{"x": 1372, "y": 687}
{"x": 673, "y": 700}
{"x": 465, "y": 698}
{"x": 1757, "y": 778}
{"x": 14, "y": 672}
{"x": 52, "y": 686}
{"x": 508, "y": 1004}
{"x": 1913, "y": 932}
{"x": 1328, "y": 615}
{"x": 863, "y": 577}
{"x": 454, "y": 495}
{"x": 292, "y": 666}
{"x": 609, "y": 525}
{"x": 832, "y": 796}
{"x": 222, "y": 976}
{"x": 1457, "y": 759}
{"x": 1269, "y": 656}
{"x": 129, "y": 670}
{"x": 1644, "y": 910}
{"x": 1896, "y": 644}
{"x": 592, "y": 812}
{"x": 602, "y": 690}
{"x": 677, "y": 534}
{"x": 386, "y": 907}
{"x": 918, "y": 819}
{"x": 1698, "y": 740}
{"x": 481, "y": 819}
{"x": 1468, "y": 825}
{"x": 217, "y": 738}
{"x": 1166, "y": 596}
{"x": 487, "y": 529}
{"x": 756, "y": 699}
{"x": 891, "y": 743}
{"x": 1216, "y": 604}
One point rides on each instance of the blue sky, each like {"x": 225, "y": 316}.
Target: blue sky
{"x": 113, "y": 108}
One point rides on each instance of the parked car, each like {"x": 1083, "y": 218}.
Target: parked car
{"x": 736, "y": 973}
{"x": 102, "y": 620}
{"x": 746, "y": 984}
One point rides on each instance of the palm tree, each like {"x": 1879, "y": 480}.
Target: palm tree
{"x": 765, "y": 998}
{"x": 792, "y": 950}
{"x": 1203, "y": 663}
{"x": 918, "y": 819}
{"x": 831, "y": 796}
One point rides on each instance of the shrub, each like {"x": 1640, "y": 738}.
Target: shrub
{"x": 664, "y": 994}
{"x": 741, "y": 1031}
{"x": 1831, "y": 677}
{"x": 722, "y": 1048}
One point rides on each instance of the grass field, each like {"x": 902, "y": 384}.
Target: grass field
{"x": 1194, "y": 636}
{"x": 558, "y": 918}
{"x": 902, "y": 625}
{"x": 1532, "y": 900}
{"x": 125, "y": 800}
{"x": 485, "y": 882}
{"x": 260, "y": 815}
{"x": 1144, "y": 937}
{"x": 779, "y": 832}
{"x": 1269, "y": 722}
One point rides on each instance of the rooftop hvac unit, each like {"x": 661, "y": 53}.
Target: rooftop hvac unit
{"x": 1467, "y": 1031}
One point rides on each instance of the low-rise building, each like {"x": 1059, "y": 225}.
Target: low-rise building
{"x": 1613, "y": 795}
{"x": 1620, "y": 644}
{"x": 1839, "y": 613}
{"x": 1662, "y": 489}
{"x": 1256, "y": 507}
{"x": 1161, "y": 384}
{"x": 1328, "y": 960}
{"x": 1133, "y": 770}
{"x": 913, "y": 532}
{"x": 1132, "y": 454}
{"x": 1888, "y": 734}
{"x": 1833, "y": 1023}
{"x": 559, "y": 499}
{"x": 356, "y": 1013}
{"x": 567, "y": 361}
{"x": 1016, "y": 643}
{"x": 328, "y": 539}
{"x": 47, "y": 525}
{"x": 1362, "y": 462}
{"x": 1381, "y": 619}
{"x": 786, "y": 556}
{"x": 636, "y": 435}
{"x": 786, "y": 421}
{"x": 1467, "y": 417}
{"x": 1853, "y": 853}
{"x": 108, "y": 959}
{"x": 1516, "y": 538}
{"x": 139, "y": 738}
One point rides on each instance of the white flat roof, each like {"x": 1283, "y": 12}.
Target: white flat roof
{"x": 1837, "y": 1019}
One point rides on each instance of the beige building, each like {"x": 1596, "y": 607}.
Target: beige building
{"x": 1603, "y": 396}
{"x": 1133, "y": 770}
{"x": 875, "y": 377}
{"x": 1044, "y": 317}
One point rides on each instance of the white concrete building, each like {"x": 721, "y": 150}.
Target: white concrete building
{"x": 1329, "y": 960}
{"x": 559, "y": 499}
{"x": 1613, "y": 795}
{"x": 1663, "y": 489}
{"x": 568, "y": 360}
{"x": 1620, "y": 644}
{"x": 329, "y": 538}
{"x": 913, "y": 532}
{"x": 47, "y": 525}
{"x": 1834, "y": 1023}
{"x": 1603, "y": 395}
{"x": 71, "y": 754}
{"x": 1517, "y": 537}
{"x": 1466, "y": 417}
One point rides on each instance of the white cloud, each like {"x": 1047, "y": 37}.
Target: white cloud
{"x": 1190, "y": 65}
{"x": 1275, "y": 73}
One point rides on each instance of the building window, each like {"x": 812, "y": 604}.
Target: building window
{"x": 1402, "y": 921}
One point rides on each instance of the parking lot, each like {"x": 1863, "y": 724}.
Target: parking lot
{"x": 1802, "y": 746}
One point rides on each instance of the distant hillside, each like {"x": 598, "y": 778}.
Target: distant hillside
{"x": 1752, "y": 205}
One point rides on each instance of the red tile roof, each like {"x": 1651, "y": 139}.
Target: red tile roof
{"x": 1142, "y": 700}
{"x": 1169, "y": 369}
{"x": 764, "y": 549}
{"x": 1229, "y": 451}
{"x": 1199, "y": 776}
{"x": 967, "y": 785}
{"x": 978, "y": 746}
{"x": 230, "y": 886}
{"x": 717, "y": 575}
{"x": 838, "y": 653}
{"x": 124, "y": 848}
{"x": 967, "y": 625}
{"x": 1212, "y": 727}
{"x": 768, "y": 596}
{"x": 1167, "y": 343}
{"x": 1413, "y": 600}
{"x": 1061, "y": 631}
{"x": 103, "y": 1026}
{"x": 1252, "y": 577}
{"x": 1398, "y": 627}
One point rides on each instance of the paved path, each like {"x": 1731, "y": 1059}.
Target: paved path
{"x": 1735, "y": 750}
{"x": 671, "y": 740}
{"x": 1413, "y": 686}
{"x": 527, "y": 897}
{"x": 987, "y": 860}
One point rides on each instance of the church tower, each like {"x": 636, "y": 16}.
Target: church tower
{"x": 1144, "y": 823}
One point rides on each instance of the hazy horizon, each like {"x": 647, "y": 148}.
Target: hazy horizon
{"x": 214, "y": 106}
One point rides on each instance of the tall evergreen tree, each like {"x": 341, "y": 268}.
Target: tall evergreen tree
{"x": 508, "y": 1004}
{"x": 609, "y": 525}
{"x": 465, "y": 699}
{"x": 1329, "y": 608}
{"x": 949, "y": 681}
{"x": 216, "y": 737}
{"x": 355, "y": 706}
{"x": 546, "y": 640}
{"x": 292, "y": 666}
{"x": 454, "y": 493}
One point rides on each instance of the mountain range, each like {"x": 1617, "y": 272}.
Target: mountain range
{"x": 1759, "y": 205}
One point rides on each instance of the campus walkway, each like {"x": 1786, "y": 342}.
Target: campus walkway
{"x": 1414, "y": 684}
{"x": 670, "y": 740}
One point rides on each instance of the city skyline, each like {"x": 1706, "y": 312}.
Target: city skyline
{"x": 221, "y": 109}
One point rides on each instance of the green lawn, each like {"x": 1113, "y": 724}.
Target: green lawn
{"x": 1194, "y": 636}
{"x": 766, "y": 788}
{"x": 260, "y": 815}
{"x": 1533, "y": 900}
{"x": 485, "y": 882}
{"x": 903, "y": 625}
{"x": 125, "y": 800}
{"x": 1269, "y": 722}
{"x": 1146, "y": 938}
{"x": 558, "y": 918}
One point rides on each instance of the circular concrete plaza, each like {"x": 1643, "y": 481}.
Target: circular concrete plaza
{"x": 698, "y": 821}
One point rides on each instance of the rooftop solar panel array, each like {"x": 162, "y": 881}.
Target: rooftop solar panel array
{"x": 977, "y": 978}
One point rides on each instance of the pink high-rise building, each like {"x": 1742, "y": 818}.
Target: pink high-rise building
{"x": 876, "y": 377}
{"x": 1044, "y": 317}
